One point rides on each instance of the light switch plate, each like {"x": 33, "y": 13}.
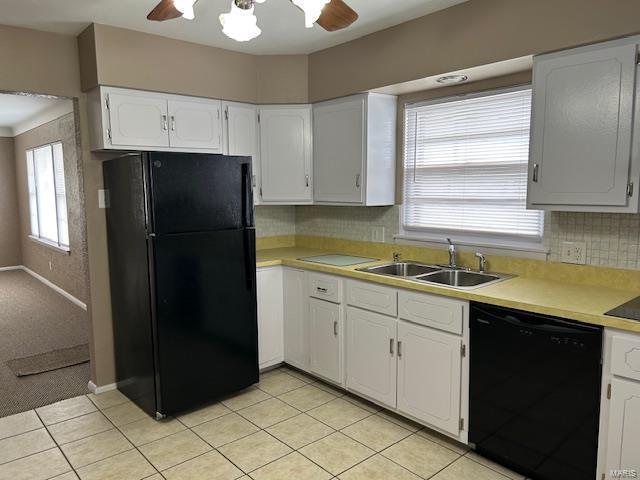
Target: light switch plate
{"x": 103, "y": 198}
{"x": 574, "y": 252}
{"x": 377, "y": 234}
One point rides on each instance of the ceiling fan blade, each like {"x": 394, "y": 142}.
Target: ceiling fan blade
{"x": 336, "y": 16}
{"x": 165, "y": 10}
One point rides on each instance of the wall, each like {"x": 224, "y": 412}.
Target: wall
{"x": 68, "y": 270}
{"x": 275, "y": 221}
{"x": 125, "y": 58}
{"x": 9, "y": 220}
{"x": 477, "y": 32}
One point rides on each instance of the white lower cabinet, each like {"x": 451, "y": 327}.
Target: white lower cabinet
{"x": 619, "y": 442}
{"x": 371, "y": 357}
{"x": 429, "y": 375}
{"x": 296, "y": 340}
{"x": 270, "y": 316}
{"x": 325, "y": 334}
{"x": 624, "y": 426}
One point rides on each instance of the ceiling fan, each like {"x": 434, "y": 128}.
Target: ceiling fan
{"x": 241, "y": 24}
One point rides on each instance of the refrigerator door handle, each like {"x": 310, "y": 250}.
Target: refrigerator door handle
{"x": 247, "y": 197}
{"x": 249, "y": 255}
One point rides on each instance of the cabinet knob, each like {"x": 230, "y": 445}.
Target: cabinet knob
{"x": 335, "y": 328}
{"x": 535, "y": 172}
{"x": 164, "y": 123}
{"x": 173, "y": 123}
{"x": 358, "y": 181}
{"x": 399, "y": 348}
{"x": 391, "y": 346}
{"x": 306, "y": 180}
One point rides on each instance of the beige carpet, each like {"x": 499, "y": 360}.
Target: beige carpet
{"x": 35, "y": 319}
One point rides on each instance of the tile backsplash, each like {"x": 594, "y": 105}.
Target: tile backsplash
{"x": 612, "y": 240}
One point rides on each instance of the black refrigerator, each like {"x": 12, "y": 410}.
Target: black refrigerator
{"x": 182, "y": 266}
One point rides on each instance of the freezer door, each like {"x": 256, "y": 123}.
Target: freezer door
{"x": 206, "y": 319}
{"x": 200, "y": 193}
{"x": 129, "y": 275}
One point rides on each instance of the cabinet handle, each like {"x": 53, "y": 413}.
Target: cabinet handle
{"x": 335, "y": 328}
{"x": 321, "y": 289}
{"x": 164, "y": 123}
{"x": 173, "y": 123}
{"x": 391, "y": 346}
{"x": 535, "y": 172}
{"x": 306, "y": 180}
{"x": 358, "y": 181}
{"x": 399, "y": 348}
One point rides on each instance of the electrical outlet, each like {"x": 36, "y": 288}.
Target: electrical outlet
{"x": 377, "y": 234}
{"x": 574, "y": 252}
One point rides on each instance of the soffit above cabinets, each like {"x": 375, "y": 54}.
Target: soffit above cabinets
{"x": 283, "y": 30}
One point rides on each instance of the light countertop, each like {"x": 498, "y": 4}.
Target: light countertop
{"x": 585, "y": 303}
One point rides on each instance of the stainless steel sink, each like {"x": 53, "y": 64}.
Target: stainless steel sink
{"x": 403, "y": 269}
{"x": 460, "y": 278}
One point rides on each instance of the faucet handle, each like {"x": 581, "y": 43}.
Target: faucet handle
{"x": 396, "y": 256}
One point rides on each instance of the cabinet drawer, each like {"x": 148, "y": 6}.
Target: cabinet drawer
{"x": 432, "y": 311}
{"x": 373, "y": 297}
{"x": 325, "y": 287}
{"x": 625, "y": 356}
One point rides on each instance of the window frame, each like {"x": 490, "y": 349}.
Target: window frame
{"x": 30, "y": 159}
{"x": 437, "y": 236}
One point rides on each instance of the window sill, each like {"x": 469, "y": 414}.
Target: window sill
{"x": 535, "y": 251}
{"x": 51, "y": 245}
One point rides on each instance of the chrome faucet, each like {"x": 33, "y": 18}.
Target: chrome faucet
{"x": 482, "y": 262}
{"x": 452, "y": 254}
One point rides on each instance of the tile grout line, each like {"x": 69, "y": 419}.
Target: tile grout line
{"x": 57, "y": 446}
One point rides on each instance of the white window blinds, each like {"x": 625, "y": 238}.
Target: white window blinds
{"x": 47, "y": 194}
{"x": 465, "y": 167}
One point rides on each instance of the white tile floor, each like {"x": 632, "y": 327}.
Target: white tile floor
{"x": 288, "y": 427}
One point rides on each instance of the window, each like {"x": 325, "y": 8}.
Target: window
{"x": 465, "y": 170}
{"x": 47, "y": 195}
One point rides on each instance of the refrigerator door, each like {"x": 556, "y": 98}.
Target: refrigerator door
{"x": 200, "y": 193}
{"x": 129, "y": 273}
{"x": 205, "y": 316}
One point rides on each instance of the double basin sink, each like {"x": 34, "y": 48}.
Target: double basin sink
{"x": 437, "y": 275}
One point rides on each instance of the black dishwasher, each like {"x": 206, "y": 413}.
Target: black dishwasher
{"x": 534, "y": 398}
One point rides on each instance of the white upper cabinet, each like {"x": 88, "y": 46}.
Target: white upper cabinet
{"x": 285, "y": 154}
{"x": 195, "y": 123}
{"x": 582, "y": 154}
{"x": 137, "y": 119}
{"x": 240, "y": 136}
{"x": 354, "y": 150}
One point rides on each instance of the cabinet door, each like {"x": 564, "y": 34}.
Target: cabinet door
{"x": 196, "y": 123}
{"x": 371, "y": 358}
{"x": 270, "y": 317}
{"x": 325, "y": 333}
{"x": 583, "y": 106}
{"x": 138, "y": 120}
{"x": 339, "y": 150}
{"x": 430, "y": 376}
{"x": 296, "y": 340}
{"x": 241, "y": 137}
{"x": 624, "y": 426}
{"x": 285, "y": 154}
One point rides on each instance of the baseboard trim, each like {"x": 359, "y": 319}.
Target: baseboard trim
{"x": 102, "y": 389}
{"x": 53, "y": 286}
{"x": 7, "y": 269}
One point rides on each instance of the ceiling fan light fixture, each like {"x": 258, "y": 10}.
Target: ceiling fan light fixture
{"x": 312, "y": 10}
{"x": 240, "y": 24}
{"x": 185, "y": 7}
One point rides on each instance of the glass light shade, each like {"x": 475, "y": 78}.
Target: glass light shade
{"x": 312, "y": 10}
{"x": 240, "y": 25}
{"x": 185, "y": 7}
